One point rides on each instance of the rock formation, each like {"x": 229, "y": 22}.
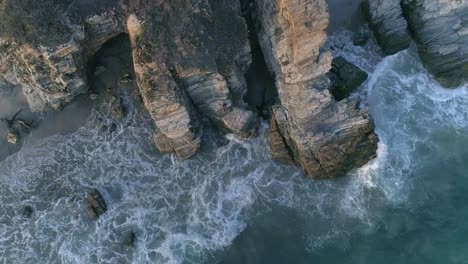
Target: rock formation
{"x": 190, "y": 58}
{"x": 439, "y": 27}
{"x": 326, "y": 138}
{"x": 94, "y": 205}
{"x": 345, "y": 77}
{"x": 391, "y": 29}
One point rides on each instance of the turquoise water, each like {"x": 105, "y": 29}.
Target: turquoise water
{"x": 232, "y": 204}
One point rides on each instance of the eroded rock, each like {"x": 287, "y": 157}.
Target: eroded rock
{"x": 345, "y": 77}
{"x": 391, "y": 29}
{"x": 27, "y": 211}
{"x": 12, "y": 137}
{"x": 325, "y": 138}
{"x": 94, "y": 205}
{"x": 440, "y": 28}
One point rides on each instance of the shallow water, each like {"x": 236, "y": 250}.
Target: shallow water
{"x": 232, "y": 204}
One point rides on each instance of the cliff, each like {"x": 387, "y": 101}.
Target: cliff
{"x": 190, "y": 58}
{"x": 439, "y": 27}
{"x": 326, "y": 138}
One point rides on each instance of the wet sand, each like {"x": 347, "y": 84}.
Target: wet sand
{"x": 109, "y": 64}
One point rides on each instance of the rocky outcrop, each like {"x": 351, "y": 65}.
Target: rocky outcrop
{"x": 193, "y": 59}
{"x": 440, "y": 28}
{"x": 345, "y": 78}
{"x": 190, "y": 58}
{"x": 94, "y": 205}
{"x": 324, "y": 137}
{"x": 391, "y": 29}
{"x": 191, "y": 49}
{"x": 52, "y": 74}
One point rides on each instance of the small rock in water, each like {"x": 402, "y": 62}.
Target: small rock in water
{"x": 94, "y": 204}
{"x": 130, "y": 240}
{"x": 116, "y": 108}
{"x": 12, "y": 137}
{"x": 112, "y": 128}
{"x": 27, "y": 211}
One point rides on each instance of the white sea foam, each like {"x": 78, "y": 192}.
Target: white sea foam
{"x": 183, "y": 211}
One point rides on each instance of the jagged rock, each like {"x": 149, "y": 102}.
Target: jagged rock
{"x": 94, "y": 205}
{"x": 210, "y": 93}
{"x": 391, "y": 29}
{"x": 345, "y": 78}
{"x": 27, "y": 211}
{"x": 12, "y": 137}
{"x": 325, "y": 138}
{"x": 50, "y": 73}
{"x": 210, "y": 52}
{"x": 440, "y": 28}
{"x": 116, "y": 108}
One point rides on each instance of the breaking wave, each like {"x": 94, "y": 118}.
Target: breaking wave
{"x": 186, "y": 211}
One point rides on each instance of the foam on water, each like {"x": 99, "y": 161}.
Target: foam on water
{"x": 186, "y": 211}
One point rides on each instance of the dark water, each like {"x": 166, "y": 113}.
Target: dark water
{"x": 232, "y": 204}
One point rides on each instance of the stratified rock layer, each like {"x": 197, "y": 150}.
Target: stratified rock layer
{"x": 190, "y": 58}
{"x": 324, "y": 137}
{"x": 440, "y": 28}
{"x": 195, "y": 50}
{"x": 191, "y": 51}
{"x": 391, "y": 29}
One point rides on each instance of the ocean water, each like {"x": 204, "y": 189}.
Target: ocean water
{"x": 233, "y": 204}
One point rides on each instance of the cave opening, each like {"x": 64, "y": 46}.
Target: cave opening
{"x": 261, "y": 87}
{"x": 111, "y": 65}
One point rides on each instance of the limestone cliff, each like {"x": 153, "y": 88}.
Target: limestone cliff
{"x": 326, "y": 138}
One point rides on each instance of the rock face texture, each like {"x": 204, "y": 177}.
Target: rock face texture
{"x": 324, "y": 137}
{"x": 193, "y": 56}
{"x": 439, "y": 27}
{"x": 345, "y": 77}
{"x": 190, "y": 57}
{"x": 94, "y": 205}
{"x": 391, "y": 29}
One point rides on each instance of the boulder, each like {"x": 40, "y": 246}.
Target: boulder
{"x": 345, "y": 77}
{"x": 130, "y": 240}
{"x": 12, "y": 137}
{"x": 94, "y": 205}
{"x": 27, "y": 211}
